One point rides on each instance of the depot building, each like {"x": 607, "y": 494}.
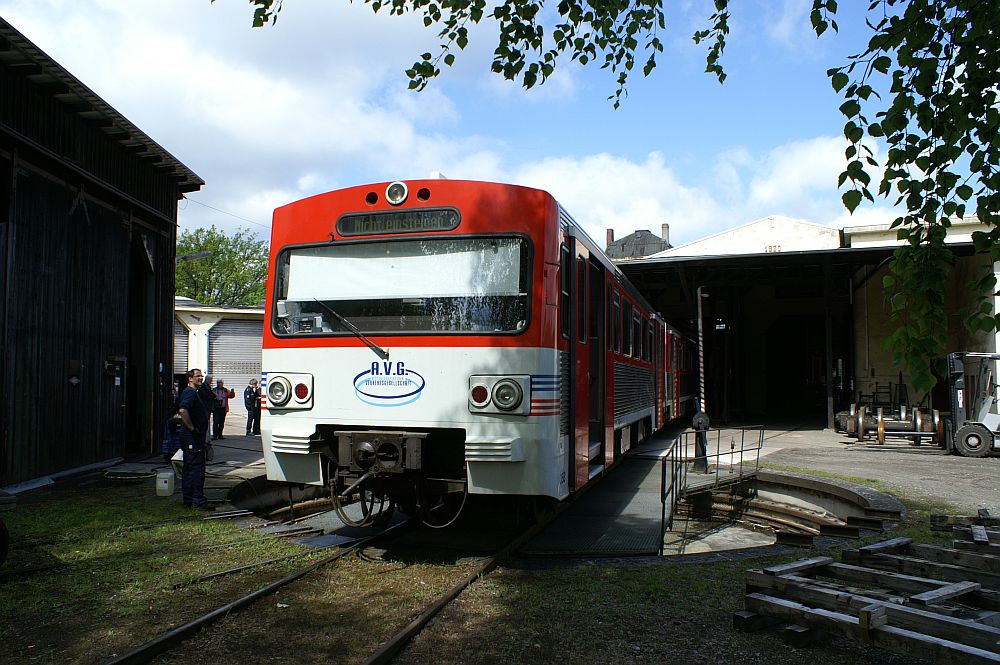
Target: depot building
{"x": 793, "y": 314}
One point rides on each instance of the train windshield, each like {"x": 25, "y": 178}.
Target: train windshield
{"x": 438, "y": 285}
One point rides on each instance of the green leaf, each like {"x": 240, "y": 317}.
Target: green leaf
{"x": 882, "y": 63}
{"x": 850, "y": 108}
{"x": 851, "y": 199}
{"x": 839, "y": 80}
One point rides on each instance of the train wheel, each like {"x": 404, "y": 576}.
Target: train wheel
{"x": 439, "y": 511}
{"x": 542, "y": 509}
{"x": 938, "y": 429}
{"x": 973, "y": 440}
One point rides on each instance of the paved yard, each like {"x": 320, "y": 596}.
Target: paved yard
{"x": 924, "y": 470}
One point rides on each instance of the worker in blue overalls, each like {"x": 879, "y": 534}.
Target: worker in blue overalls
{"x": 195, "y": 416}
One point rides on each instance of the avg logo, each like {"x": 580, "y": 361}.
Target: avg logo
{"x": 388, "y": 384}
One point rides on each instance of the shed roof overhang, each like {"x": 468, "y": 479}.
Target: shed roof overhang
{"x": 690, "y": 272}
{"x": 17, "y": 52}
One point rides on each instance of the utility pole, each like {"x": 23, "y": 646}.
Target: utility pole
{"x": 701, "y": 356}
{"x": 700, "y": 422}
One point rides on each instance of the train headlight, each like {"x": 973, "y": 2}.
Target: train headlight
{"x": 278, "y": 391}
{"x": 396, "y": 193}
{"x": 507, "y": 395}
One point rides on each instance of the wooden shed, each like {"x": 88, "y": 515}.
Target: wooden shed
{"x": 88, "y": 226}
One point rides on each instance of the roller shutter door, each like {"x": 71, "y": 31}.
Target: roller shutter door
{"x": 234, "y": 352}
{"x": 180, "y": 348}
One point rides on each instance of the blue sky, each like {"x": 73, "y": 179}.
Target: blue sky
{"x": 267, "y": 116}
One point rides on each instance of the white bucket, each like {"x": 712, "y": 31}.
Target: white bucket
{"x": 165, "y": 483}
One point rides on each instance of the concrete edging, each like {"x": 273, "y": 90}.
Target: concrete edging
{"x": 873, "y": 502}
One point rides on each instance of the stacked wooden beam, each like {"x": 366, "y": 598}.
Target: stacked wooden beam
{"x": 980, "y": 532}
{"x": 939, "y": 603}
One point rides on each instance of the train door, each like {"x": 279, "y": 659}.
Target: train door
{"x": 668, "y": 376}
{"x": 600, "y": 454}
{"x": 583, "y": 448}
{"x": 658, "y": 365}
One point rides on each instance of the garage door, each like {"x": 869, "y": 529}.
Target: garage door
{"x": 234, "y": 351}
{"x": 180, "y": 348}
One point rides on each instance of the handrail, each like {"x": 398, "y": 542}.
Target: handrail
{"x": 674, "y": 470}
{"x": 674, "y": 459}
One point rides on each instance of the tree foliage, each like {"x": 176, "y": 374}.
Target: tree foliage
{"x": 233, "y": 273}
{"x": 926, "y": 87}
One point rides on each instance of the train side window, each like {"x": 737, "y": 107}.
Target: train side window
{"x": 651, "y": 353}
{"x": 610, "y": 320}
{"x": 636, "y": 336}
{"x": 564, "y": 284}
{"x": 627, "y": 329}
{"x": 616, "y": 317}
{"x": 644, "y": 348}
{"x": 581, "y": 298}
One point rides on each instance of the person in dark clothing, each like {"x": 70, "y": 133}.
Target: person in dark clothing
{"x": 208, "y": 399}
{"x": 251, "y": 400}
{"x": 195, "y": 416}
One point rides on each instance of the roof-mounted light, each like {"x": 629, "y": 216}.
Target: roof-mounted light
{"x": 396, "y": 193}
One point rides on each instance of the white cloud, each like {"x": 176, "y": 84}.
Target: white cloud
{"x": 319, "y": 102}
{"x": 606, "y": 191}
{"x": 789, "y": 24}
{"x": 797, "y": 179}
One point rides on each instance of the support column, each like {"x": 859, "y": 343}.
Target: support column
{"x": 198, "y": 326}
{"x": 828, "y": 316}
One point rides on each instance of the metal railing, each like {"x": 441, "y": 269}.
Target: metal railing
{"x": 682, "y": 468}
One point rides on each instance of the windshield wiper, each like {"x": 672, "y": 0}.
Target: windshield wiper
{"x": 382, "y": 353}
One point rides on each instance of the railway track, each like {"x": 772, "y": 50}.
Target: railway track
{"x": 385, "y": 650}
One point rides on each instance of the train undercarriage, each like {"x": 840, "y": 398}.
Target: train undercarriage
{"x": 420, "y": 473}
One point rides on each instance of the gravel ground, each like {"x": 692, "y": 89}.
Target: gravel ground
{"x": 923, "y": 471}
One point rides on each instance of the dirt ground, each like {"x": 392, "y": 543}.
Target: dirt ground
{"x": 924, "y": 471}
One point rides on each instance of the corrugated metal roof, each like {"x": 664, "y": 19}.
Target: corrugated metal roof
{"x": 17, "y": 51}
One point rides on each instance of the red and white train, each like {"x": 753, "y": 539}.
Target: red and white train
{"x": 430, "y": 339}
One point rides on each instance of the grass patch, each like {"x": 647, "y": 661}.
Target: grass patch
{"x": 116, "y": 552}
{"x": 595, "y": 614}
{"x": 121, "y": 549}
{"x": 673, "y": 611}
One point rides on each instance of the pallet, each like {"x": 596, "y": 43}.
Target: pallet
{"x": 938, "y": 603}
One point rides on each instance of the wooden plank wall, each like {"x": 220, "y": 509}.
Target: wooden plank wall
{"x": 71, "y": 247}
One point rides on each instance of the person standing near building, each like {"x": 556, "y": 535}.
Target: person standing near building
{"x": 251, "y": 400}
{"x": 195, "y": 417}
{"x": 208, "y": 401}
{"x": 220, "y": 409}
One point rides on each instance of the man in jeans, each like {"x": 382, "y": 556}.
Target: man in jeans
{"x": 195, "y": 416}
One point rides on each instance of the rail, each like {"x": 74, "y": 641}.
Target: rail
{"x": 684, "y": 471}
